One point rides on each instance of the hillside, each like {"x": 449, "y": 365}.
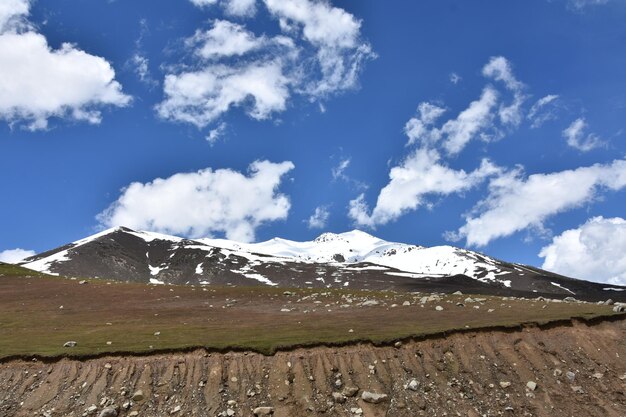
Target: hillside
{"x": 354, "y": 260}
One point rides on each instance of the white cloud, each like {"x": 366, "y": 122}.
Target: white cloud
{"x": 339, "y": 171}
{"x": 243, "y": 8}
{"x": 335, "y": 34}
{"x": 512, "y": 114}
{"x": 516, "y": 203}
{"x": 420, "y": 175}
{"x": 420, "y": 128}
{"x": 581, "y": 4}
{"x": 201, "y": 97}
{"x": 319, "y": 218}
{"x": 423, "y": 173}
{"x": 139, "y": 62}
{"x": 478, "y": 120}
{"x": 201, "y": 203}
{"x": 13, "y": 256}
{"x": 215, "y": 134}
{"x": 224, "y": 39}
{"x": 594, "y": 251}
{"x": 543, "y": 111}
{"x": 13, "y": 13}
{"x": 203, "y": 3}
{"x": 455, "y": 78}
{"x": 38, "y": 82}
{"x": 577, "y": 138}
{"x": 322, "y": 24}
{"x": 499, "y": 68}
{"x": 319, "y": 53}
{"x": 470, "y": 122}
{"x": 141, "y": 66}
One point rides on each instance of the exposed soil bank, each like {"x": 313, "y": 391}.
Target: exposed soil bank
{"x": 579, "y": 370}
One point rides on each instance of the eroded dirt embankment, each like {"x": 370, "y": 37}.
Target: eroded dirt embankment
{"x": 579, "y": 370}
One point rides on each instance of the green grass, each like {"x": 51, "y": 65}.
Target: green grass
{"x": 32, "y": 322}
{"x": 18, "y": 271}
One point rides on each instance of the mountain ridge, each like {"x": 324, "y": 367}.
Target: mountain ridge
{"x": 352, "y": 259}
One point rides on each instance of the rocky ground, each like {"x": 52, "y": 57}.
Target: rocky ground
{"x": 565, "y": 370}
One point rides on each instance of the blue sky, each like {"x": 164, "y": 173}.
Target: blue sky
{"x": 494, "y": 125}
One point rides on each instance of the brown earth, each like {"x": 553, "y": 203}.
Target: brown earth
{"x": 456, "y": 375}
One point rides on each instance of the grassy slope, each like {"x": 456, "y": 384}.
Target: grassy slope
{"x": 18, "y": 271}
{"x": 32, "y": 321}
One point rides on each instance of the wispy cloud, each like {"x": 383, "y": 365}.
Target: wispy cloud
{"x": 578, "y": 138}
{"x": 139, "y": 62}
{"x": 319, "y": 218}
{"x": 582, "y": 4}
{"x": 215, "y": 134}
{"x": 338, "y": 172}
{"x": 543, "y": 110}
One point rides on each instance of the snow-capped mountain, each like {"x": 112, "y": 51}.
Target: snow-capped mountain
{"x": 353, "y": 259}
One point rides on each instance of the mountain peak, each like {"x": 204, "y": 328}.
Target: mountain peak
{"x": 345, "y": 236}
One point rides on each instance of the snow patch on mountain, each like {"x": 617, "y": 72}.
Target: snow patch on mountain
{"x": 345, "y": 250}
{"x": 44, "y": 264}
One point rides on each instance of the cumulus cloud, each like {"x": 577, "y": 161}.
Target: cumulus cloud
{"x": 319, "y": 53}
{"x": 594, "y": 251}
{"x": 12, "y": 14}
{"x": 201, "y": 97}
{"x": 576, "y": 136}
{"x": 38, "y": 82}
{"x": 224, "y": 39}
{"x": 260, "y": 85}
{"x": 13, "y": 256}
{"x": 420, "y": 175}
{"x": 202, "y": 203}
{"x": 420, "y": 127}
{"x": 515, "y": 203}
{"x": 319, "y": 218}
